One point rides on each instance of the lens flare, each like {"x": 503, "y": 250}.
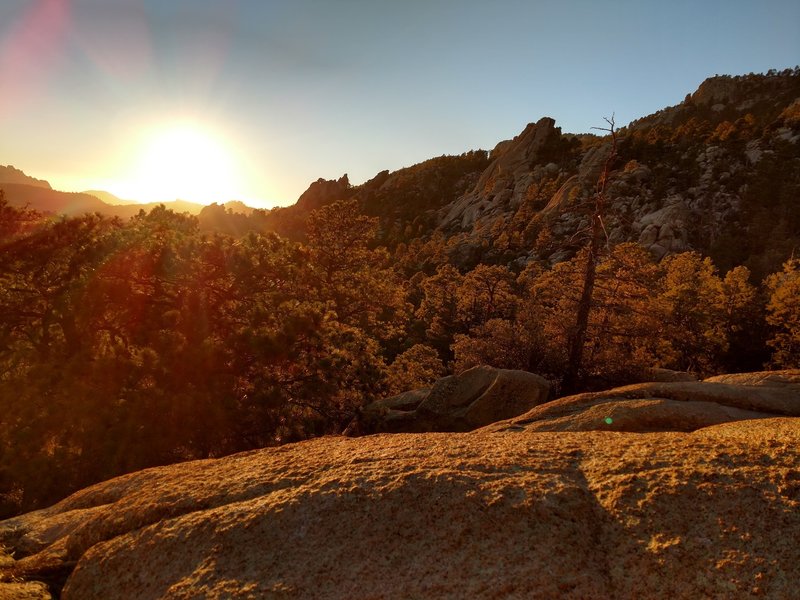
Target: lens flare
{"x": 184, "y": 161}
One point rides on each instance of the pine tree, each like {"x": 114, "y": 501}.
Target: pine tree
{"x": 783, "y": 315}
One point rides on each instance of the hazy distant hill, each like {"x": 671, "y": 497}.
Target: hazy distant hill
{"x": 9, "y": 174}
{"x": 128, "y": 210}
{"x": 109, "y": 198}
{"x": 48, "y": 200}
{"x": 237, "y": 206}
{"x": 23, "y": 190}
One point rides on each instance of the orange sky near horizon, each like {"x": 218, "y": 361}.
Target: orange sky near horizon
{"x": 179, "y": 159}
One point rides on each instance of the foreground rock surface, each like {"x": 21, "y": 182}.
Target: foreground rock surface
{"x": 10, "y": 589}
{"x": 668, "y": 405}
{"x": 516, "y": 514}
{"x": 24, "y": 591}
{"x": 463, "y": 402}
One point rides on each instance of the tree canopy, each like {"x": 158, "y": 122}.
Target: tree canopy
{"x": 130, "y": 344}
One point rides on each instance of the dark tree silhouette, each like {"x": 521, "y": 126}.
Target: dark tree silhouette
{"x": 596, "y": 243}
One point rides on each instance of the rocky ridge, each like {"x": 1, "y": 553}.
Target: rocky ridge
{"x": 702, "y": 175}
{"x": 683, "y": 180}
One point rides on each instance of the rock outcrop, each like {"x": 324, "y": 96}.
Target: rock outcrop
{"x": 515, "y": 514}
{"x": 580, "y": 185}
{"x": 664, "y": 230}
{"x": 664, "y": 375}
{"x": 322, "y": 192}
{"x": 472, "y": 399}
{"x": 788, "y": 379}
{"x": 504, "y": 183}
{"x": 668, "y": 406}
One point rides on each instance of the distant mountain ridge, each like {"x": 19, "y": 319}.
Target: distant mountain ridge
{"x": 47, "y": 200}
{"x": 109, "y": 198}
{"x": 22, "y": 190}
{"x": 10, "y": 174}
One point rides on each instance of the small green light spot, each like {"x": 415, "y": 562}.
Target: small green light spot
{"x": 609, "y": 420}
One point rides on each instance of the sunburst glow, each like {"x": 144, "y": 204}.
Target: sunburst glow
{"x": 186, "y": 161}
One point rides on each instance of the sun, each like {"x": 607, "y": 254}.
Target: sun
{"x": 184, "y": 161}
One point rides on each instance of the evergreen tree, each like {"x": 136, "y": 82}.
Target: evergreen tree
{"x": 783, "y": 315}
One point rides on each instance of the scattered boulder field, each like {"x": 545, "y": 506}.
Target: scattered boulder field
{"x": 692, "y": 490}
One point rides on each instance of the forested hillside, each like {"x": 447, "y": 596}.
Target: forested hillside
{"x": 127, "y": 344}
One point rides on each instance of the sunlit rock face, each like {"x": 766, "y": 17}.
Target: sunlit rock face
{"x": 516, "y": 513}
{"x": 502, "y": 186}
{"x": 668, "y": 405}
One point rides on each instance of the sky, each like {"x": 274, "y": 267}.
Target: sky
{"x": 212, "y": 100}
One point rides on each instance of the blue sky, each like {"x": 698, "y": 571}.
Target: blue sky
{"x": 303, "y": 89}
